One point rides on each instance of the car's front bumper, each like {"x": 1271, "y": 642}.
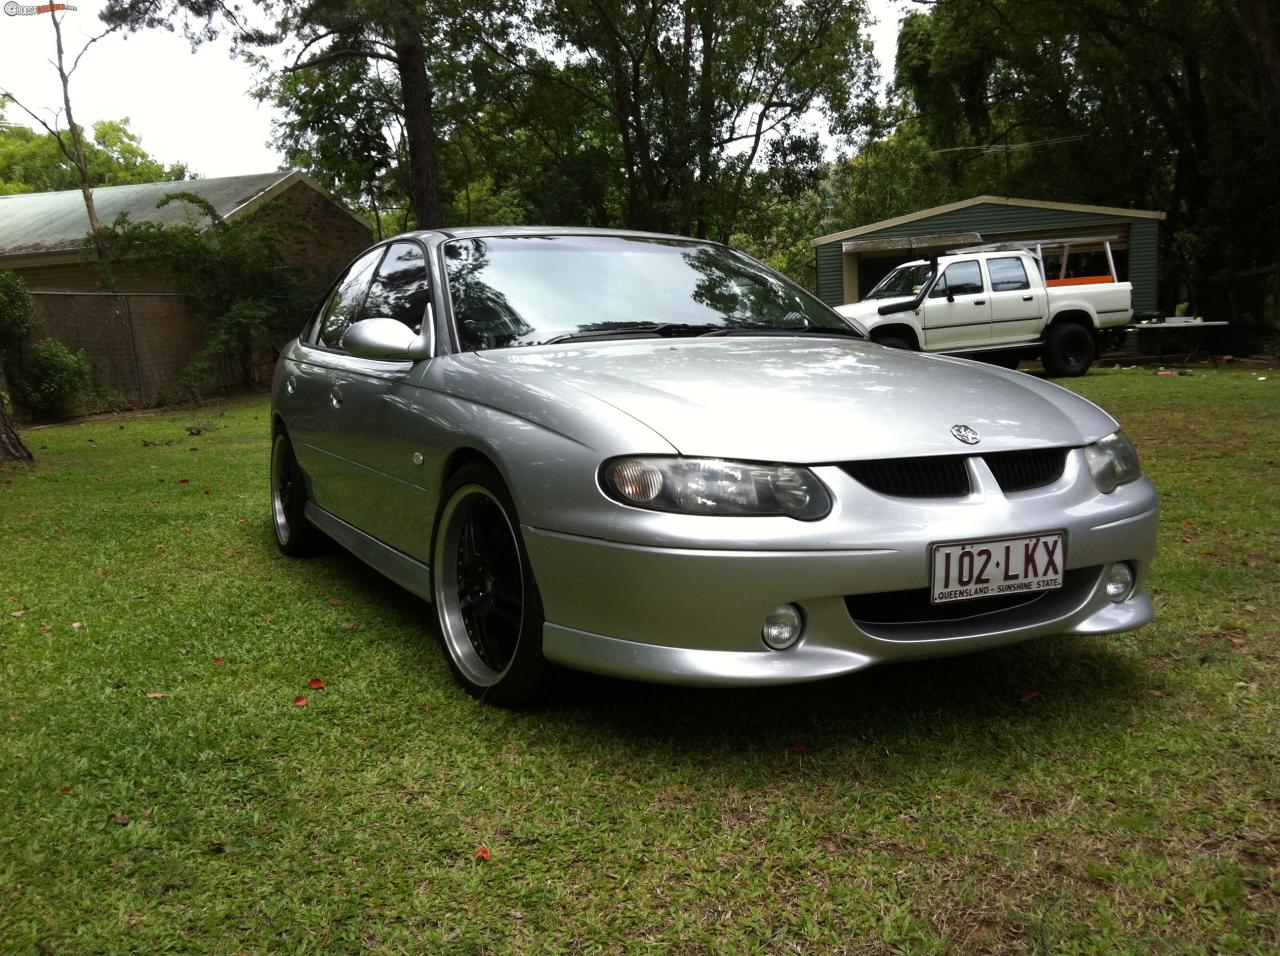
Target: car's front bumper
{"x": 693, "y": 614}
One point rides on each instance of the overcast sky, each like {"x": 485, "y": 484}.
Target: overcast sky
{"x": 190, "y": 107}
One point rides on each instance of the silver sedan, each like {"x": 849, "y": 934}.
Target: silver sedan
{"x": 656, "y": 458}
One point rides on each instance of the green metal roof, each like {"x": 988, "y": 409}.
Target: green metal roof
{"x": 33, "y": 223}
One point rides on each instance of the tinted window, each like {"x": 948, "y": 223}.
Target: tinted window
{"x": 343, "y": 307}
{"x": 400, "y": 289}
{"x": 1007, "y": 275}
{"x": 527, "y": 290}
{"x": 961, "y": 278}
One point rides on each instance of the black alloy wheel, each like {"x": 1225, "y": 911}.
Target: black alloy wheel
{"x": 487, "y": 601}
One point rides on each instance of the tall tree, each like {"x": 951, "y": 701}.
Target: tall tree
{"x": 1147, "y": 101}
{"x": 329, "y": 33}
{"x": 695, "y": 90}
{"x": 71, "y": 141}
{"x": 17, "y": 321}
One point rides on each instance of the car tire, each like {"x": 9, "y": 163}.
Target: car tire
{"x": 295, "y": 535}
{"x": 487, "y": 601}
{"x": 1069, "y": 350}
{"x": 894, "y": 342}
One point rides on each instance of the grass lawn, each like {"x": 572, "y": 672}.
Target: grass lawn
{"x": 161, "y": 790}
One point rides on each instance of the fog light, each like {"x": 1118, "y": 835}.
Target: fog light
{"x": 1119, "y": 582}
{"x": 782, "y": 627}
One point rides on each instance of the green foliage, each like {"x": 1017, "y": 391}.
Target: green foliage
{"x": 31, "y": 161}
{"x": 17, "y": 312}
{"x": 49, "y": 378}
{"x": 235, "y": 273}
{"x": 1162, "y": 105}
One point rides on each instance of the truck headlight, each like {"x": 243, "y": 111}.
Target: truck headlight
{"x": 1113, "y": 461}
{"x": 714, "y": 486}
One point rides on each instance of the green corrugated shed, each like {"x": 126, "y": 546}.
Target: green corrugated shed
{"x": 989, "y": 219}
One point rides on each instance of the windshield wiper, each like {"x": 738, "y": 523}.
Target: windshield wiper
{"x": 659, "y": 330}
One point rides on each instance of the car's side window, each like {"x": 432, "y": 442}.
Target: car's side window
{"x": 343, "y": 307}
{"x": 1007, "y": 275}
{"x": 401, "y": 289}
{"x": 961, "y": 278}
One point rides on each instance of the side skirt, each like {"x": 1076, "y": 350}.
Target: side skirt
{"x": 412, "y": 575}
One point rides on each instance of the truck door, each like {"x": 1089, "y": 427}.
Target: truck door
{"x": 957, "y": 312}
{"x": 1017, "y": 306}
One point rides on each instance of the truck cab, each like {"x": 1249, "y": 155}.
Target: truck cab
{"x": 995, "y": 303}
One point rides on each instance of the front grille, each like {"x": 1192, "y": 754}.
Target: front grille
{"x": 913, "y": 477}
{"x": 947, "y": 477}
{"x": 1023, "y": 470}
{"x": 914, "y": 607}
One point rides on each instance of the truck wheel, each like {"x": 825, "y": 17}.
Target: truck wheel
{"x": 1069, "y": 350}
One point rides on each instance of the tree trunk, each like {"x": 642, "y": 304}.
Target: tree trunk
{"x": 419, "y": 124}
{"x": 78, "y": 157}
{"x": 11, "y": 447}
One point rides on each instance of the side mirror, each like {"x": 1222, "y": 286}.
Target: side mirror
{"x": 386, "y": 339}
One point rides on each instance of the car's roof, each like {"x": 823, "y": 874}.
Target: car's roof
{"x": 475, "y": 232}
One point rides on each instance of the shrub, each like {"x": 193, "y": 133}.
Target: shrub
{"x": 49, "y": 379}
{"x": 17, "y": 311}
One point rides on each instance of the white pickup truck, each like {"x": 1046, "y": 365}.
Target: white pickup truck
{"x": 998, "y": 306}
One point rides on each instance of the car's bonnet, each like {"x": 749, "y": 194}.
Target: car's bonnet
{"x": 807, "y": 400}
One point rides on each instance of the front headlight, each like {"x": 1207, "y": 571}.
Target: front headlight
{"x": 1113, "y": 461}
{"x": 713, "y": 486}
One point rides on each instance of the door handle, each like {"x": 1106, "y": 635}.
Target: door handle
{"x": 335, "y": 397}
{"x": 979, "y": 301}
{"x": 1027, "y": 298}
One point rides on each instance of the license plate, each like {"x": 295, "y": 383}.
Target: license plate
{"x": 976, "y": 569}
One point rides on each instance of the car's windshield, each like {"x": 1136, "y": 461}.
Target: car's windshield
{"x": 904, "y": 280}
{"x": 528, "y": 290}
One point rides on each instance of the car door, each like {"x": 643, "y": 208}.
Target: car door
{"x": 310, "y": 378}
{"x": 1017, "y": 307}
{"x": 368, "y": 461}
{"x": 957, "y": 311}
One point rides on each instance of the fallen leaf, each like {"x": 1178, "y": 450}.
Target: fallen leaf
{"x": 315, "y": 683}
{"x": 799, "y": 747}
{"x": 218, "y": 846}
{"x": 1186, "y": 539}
{"x": 77, "y": 626}
{"x": 156, "y": 695}
{"x": 120, "y": 819}
{"x": 1235, "y": 642}
{"x": 184, "y": 481}
{"x": 218, "y": 660}
{"x": 1156, "y": 693}
{"x": 349, "y": 627}
{"x": 65, "y": 790}
{"x": 299, "y": 701}
{"x": 15, "y": 716}
{"x": 243, "y": 521}
{"x": 13, "y": 597}
{"x": 268, "y": 618}
{"x": 22, "y": 613}
{"x": 334, "y": 602}
{"x": 482, "y": 853}
{"x": 46, "y": 628}
{"x": 1029, "y": 695}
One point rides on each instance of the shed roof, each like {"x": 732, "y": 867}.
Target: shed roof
{"x": 42, "y": 223}
{"x": 1112, "y": 212}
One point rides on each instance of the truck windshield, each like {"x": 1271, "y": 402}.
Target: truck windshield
{"x": 902, "y": 281}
